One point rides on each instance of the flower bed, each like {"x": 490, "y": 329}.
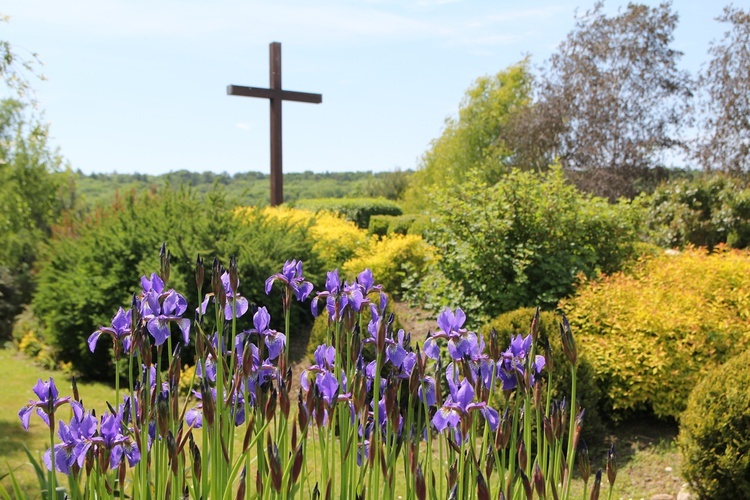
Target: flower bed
{"x": 415, "y": 422}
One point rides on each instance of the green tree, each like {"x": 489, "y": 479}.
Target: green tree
{"x": 17, "y": 71}
{"x": 34, "y": 190}
{"x": 389, "y": 185}
{"x": 471, "y": 142}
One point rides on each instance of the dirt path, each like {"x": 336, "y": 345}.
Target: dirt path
{"x": 415, "y": 320}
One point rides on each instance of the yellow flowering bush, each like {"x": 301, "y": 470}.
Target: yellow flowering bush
{"x": 392, "y": 258}
{"x": 335, "y": 238}
{"x": 188, "y": 380}
{"x": 652, "y": 334}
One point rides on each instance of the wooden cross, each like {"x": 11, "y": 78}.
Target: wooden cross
{"x": 275, "y": 95}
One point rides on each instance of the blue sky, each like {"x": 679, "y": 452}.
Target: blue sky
{"x": 140, "y": 85}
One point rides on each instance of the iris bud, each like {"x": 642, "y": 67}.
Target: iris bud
{"x": 597, "y": 485}
{"x": 568, "y": 342}
{"x": 200, "y": 272}
{"x": 526, "y": 484}
{"x": 483, "y": 493}
{"x": 234, "y": 277}
{"x": 297, "y": 464}
{"x": 241, "y": 490}
{"x": 584, "y": 463}
{"x": 611, "y": 465}
{"x": 539, "y": 484}
{"x": 534, "y": 328}
{"x": 420, "y": 486}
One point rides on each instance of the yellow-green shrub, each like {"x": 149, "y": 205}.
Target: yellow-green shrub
{"x": 652, "y": 334}
{"x": 393, "y": 258}
{"x": 335, "y": 238}
{"x": 715, "y": 432}
{"x": 188, "y": 380}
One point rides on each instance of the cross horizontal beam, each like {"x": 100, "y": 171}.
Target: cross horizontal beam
{"x": 284, "y": 95}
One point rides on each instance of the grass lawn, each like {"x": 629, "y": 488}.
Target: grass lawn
{"x": 647, "y": 456}
{"x": 17, "y": 377}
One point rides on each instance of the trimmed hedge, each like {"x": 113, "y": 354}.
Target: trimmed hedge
{"x": 357, "y": 210}
{"x": 387, "y": 225}
{"x": 715, "y": 432}
{"x": 653, "y": 334}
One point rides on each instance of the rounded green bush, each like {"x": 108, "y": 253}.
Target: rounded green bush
{"x": 517, "y": 322}
{"x": 715, "y": 432}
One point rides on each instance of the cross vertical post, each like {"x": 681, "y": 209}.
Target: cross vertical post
{"x": 275, "y": 95}
{"x": 277, "y": 176}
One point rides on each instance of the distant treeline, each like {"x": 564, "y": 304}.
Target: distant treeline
{"x": 248, "y": 188}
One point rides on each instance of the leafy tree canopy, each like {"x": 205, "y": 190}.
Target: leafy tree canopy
{"x": 471, "y": 141}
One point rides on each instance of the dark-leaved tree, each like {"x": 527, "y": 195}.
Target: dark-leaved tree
{"x": 725, "y": 140}
{"x": 613, "y": 101}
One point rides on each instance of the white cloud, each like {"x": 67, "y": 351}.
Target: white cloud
{"x": 292, "y": 21}
{"x": 243, "y": 126}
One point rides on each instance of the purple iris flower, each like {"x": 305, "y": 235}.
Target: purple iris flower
{"x": 152, "y": 283}
{"x": 338, "y": 298}
{"x": 210, "y": 369}
{"x": 110, "y": 443}
{"x": 427, "y": 391}
{"x": 383, "y": 417}
{"x": 328, "y": 387}
{"x": 120, "y": 331}
{"x": 458, "y": 404}
{"x": 461, "y": 343}
{"x": 160, "y": 310}
{"x": 511, "y": 366}
{"x": 82, "y": 427}
{"x": 394, "y": 350}
{"x": 450, "y": 322}
{"x": 275, "y": 341}
{"x": 367, "y": 282}
{"x": 410, "y": 361}
{"x": 229, "y": 310}
{"x": 291, "y": 276}
{"x": 333, "y": 285}
{"x": 45, "y": 406}
{"x": 194, "y": 416}
{"x": 325, "y": 356}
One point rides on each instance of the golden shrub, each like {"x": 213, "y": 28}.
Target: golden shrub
{"x": 392, "y": 259}
{"x": 652, "y": 334}
{"x": 335, "y": 238}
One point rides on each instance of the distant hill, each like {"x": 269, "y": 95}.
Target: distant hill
{"x": 250, "y": 188}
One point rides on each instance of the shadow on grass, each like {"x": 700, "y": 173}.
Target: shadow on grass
{"x": 13, "y": 438}
{"x": 639, "y": 433}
